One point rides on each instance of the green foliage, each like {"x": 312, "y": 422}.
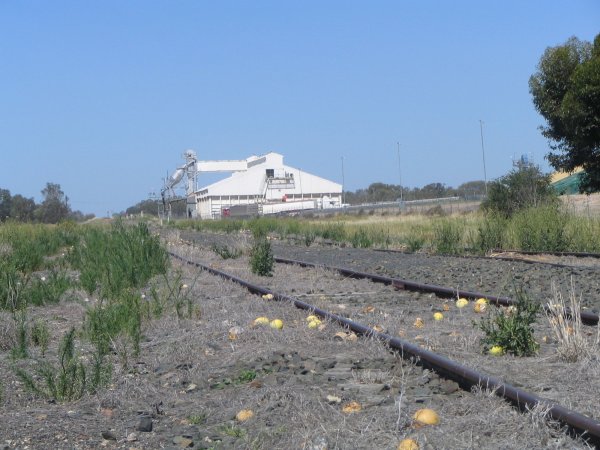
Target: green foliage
{"x": 55, "y": 206}
{"x": 48, "y": 290}
{"x": 226, "y": 252}
{"x": 309, "y": 238}
{"x": 261, "y": 257}
{"x": 361, "y": 239}
{"x": 40, "y": 335}
{"x": 512, "y": 331}
{"x": 21, "y": 350}
{"x": 490, "y": 232}
{"x": 566, "y": 92}
{"x": 68, "y": 379}
{"x": 541, "y": 229}
{"x": 333, "y": 231}
{"x": 245, "y": 376}
{"x": 521, "y": 188}
{"x": 115, "y": 260}
{"x": 448, "y": 237}
{"x": 415, "y": 242}
{"x": 197, "y": 419}
{"x": 105, "y": 322}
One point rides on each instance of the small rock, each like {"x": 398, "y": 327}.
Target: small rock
{"x": 109, "y": 436}
{"x": 145, "y": 424}
{"x": 132, "y": 437}
{"x": 334, "y": 399}
{"x": 183, "y": 441}
{"x": 319, "y": 443}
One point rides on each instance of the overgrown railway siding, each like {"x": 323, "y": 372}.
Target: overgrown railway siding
{"x": 495, "y": 277}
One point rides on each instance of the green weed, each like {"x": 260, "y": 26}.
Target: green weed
{"x": 40, "y": 335}
{"x": 66, "y": 381}
{"x": 512, "y": 329}
{"x": 361, "y": 239}
{"x": 226, "y": 252}
{"x": 448, "y": 237}
{"x": 261, "y": 257}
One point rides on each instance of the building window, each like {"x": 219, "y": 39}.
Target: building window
{"x": 270, "y": 173}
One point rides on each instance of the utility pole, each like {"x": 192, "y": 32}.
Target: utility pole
{"x": 400, "y": 173}
{"x": 483, "y": 154}
{"x": 343, "y": 180}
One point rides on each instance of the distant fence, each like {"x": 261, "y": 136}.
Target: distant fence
{"x": 449, "y": 205}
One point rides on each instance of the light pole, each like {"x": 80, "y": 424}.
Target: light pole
{"x": 483, "y": 154}
{"x": 343, "y": 180}
{"x": 400, "y": 173}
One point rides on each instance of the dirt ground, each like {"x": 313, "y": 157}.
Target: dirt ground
{"x": 307, "y": 388}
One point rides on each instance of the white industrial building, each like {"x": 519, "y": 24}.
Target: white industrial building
{"x": 257, "y": 185}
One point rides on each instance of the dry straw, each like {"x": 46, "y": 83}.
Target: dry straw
{"x": 574, "y": 343}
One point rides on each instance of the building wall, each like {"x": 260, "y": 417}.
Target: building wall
{"x": 287, "y": 185}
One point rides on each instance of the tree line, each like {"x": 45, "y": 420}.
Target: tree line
{"x": 54, "y": 207}
{"x": 381, "y": 192}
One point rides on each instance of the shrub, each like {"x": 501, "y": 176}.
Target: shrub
{"x": 521, "y": 188}
{"x": 261, "y": 257}
{"x": 512, "y": 328}
{"x": 68, "y": 380}
{"x": 541, "y": 229}
{"x": 48, "y": 290}
{"x": 122, "y": 316}
{"x": 118, "y": 259}
{"x": 447, "y": 235}
{"x": 490, "y": 233}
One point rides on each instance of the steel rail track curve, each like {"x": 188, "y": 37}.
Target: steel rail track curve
{"x": 584, "y": 426}
{"x": 587, "y": 317}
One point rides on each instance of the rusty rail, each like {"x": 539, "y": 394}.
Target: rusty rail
{"x": 587, "y": 317}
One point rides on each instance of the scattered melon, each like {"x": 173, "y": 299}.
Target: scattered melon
{"x": 462, "y": 302}
{"x": 408, "y": 444}
{"x": 277, "y": 324}
{"x": 426, "y": 416}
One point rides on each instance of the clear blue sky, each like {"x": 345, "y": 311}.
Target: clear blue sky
{"x": 103, "y": 97}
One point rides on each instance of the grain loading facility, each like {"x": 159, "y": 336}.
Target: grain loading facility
{"x": 263, "y": 183}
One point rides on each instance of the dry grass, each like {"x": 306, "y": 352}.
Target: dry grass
{"x": 574, "y": 342}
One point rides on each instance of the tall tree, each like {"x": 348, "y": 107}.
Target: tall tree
{"x": 5, "y": 204}
{"x": 22, "y": 209}
{"x": 566, "y": 92}
{"x": 519, "y": 189}
{"x": 55, "y": 206}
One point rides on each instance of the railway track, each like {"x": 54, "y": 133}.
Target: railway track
{"x": 466, "y": 376}
{"x": 587, "y": 317}
{"x": 565, "y": 260}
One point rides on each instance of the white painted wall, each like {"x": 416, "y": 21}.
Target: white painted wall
{"x": 250, "y": 186}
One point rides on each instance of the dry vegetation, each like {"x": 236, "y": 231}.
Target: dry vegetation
{"x": 201, "y": 361}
